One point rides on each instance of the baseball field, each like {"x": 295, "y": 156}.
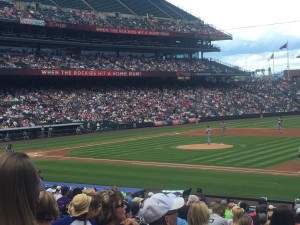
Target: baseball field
{"x": 253, "y": 159}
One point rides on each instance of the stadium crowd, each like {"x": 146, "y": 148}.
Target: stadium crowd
{"x": 88, "y": 18}
{"x": 24, "y": 107}
{"x": 23, "y": 60}
{"x": 31, "y": 204}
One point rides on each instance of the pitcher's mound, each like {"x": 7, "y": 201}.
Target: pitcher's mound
{"x": 212, "y": 146}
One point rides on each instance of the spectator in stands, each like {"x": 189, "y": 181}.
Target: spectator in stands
{"x": 260, "y": 214}
{"x": 107, "y": 208}
{"x": 160, "y": 209}
{"x": 228, "y": 209}
{"x": 19, "y": 185}
{"x": 76, "y": 191}
{"x": 237, "y": 212}
{"x": 198, "y": 214}
{"x": 282, "y": 215}
{"x": 245, "y": 206}
{"x": 46, "y": 209}
{"x": 217, "y": 216}
{"x": 245, "y": 220}
{"x": 183, "y": 211}
{"x": 201, "y": 196}
{"x": 128, "y": 197}
{"x": 78, "y": 212}
{"x": 297, "y": 216}
{"x": 64, "y": 201}
{"x": 192, "y": 199}
{"x": 135, "y": 208}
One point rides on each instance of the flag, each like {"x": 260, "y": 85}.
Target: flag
{"x": 271, "y": 57}
{"x": 284, "y": 46}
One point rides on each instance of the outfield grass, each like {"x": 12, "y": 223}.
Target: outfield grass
{"x": 248, "y": 152}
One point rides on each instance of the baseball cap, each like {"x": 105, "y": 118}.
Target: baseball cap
{"x": 50, "y": 190}
{"x": 137, "y": 199}
{"x": 159, "y": 205}
{"x": 271, "y": 207}
{"x": 193, "y": 198}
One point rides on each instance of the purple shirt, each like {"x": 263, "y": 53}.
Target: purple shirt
{"x": 63, "y": 205}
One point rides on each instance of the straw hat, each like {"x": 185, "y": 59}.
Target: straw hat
{"x": 79, "y": 205}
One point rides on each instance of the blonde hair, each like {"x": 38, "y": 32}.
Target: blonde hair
{"x": 103, "y": 205}
{"x": 237, "y": 212}
{"x": 46, "y": 208}
{"x": 198, "y": 214}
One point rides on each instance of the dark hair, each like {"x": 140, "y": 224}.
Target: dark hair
{"x": 19, "y": 185}
{"x": 245, "y": 206}
{"x": 282, "y": 214}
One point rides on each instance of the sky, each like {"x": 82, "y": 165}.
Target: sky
{"x": 254, "y": 39}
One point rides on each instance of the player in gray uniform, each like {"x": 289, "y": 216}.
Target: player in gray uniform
{"x": 208, "y": 134}
{"x": 223, "y": 128}
{"x": 279, "y": 124}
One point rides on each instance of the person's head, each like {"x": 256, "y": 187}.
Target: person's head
{"x": 135, "y": 208}
{"x": 198, "y": 214}
{"x": 282, "y": 215}
{"x": 79, "y": 206}
{"x": 244, "y": 205}
{"x": 218, "y": 209}
{"x": 76, "y": 191}
{"x": 192, "y": 199}
{"x": 262, "y": 201}
{"x": 64, "y": 190}
{"x": 108, "y": 207}
{"x": 199, "y": 190}
{"x": 161, "y": 209}
{"x": 19, "y": 185}
{"x": 261, "y": 209}
{"x": 237, "y": 212}
{"x": 245, "y": 220}
{"x": 46, "y": 208}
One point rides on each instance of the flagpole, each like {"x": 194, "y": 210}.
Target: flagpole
{"x": 273, "y": 65}
{"x": 288, "y": 63}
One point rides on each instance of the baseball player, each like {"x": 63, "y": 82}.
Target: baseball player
{"x": 279, "y": 124}
{"x": 223, "y": 127}
{"x": 9, "y": 148}
{"x": 208, "y": 134}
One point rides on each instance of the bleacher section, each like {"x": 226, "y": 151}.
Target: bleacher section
{"x": 4, "y": 4}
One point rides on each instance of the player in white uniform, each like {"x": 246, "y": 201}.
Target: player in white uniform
{"x": 208, "y": 134}
{"x": 223, "y": 127}
{"x": 279, "y": 124}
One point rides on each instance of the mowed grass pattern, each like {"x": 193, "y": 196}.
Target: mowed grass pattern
{"x": 159, "y": 145}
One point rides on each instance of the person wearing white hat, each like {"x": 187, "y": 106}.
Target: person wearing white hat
{"x": 160, "y": 209}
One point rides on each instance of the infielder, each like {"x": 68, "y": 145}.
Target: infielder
{"x": 279, "y": 124}
{"x": 223, "y": 128}
{"x": 208, "y": 134}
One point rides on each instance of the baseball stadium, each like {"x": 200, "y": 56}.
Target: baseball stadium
{"x": 119, "y": 93}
